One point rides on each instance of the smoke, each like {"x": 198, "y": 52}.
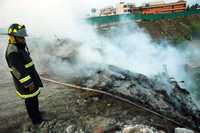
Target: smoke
{"x": 4, "y": 71}
{"x": 45, "y": 19}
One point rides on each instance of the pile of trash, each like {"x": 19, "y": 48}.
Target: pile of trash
{"x": 160, "y": 94}
{"x": 163, "y": 96}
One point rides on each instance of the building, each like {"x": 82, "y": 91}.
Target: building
{"x": 136, "y": 10}
{"x": 123, "y": 8}
{"x": 161, "y": 7}
{"x": 154, "y": 3}
{"x": 107, "y": 11}
{"x": 94, "y": 12}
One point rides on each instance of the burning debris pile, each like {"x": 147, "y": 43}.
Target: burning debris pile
{"x": 158, "y": 93}
{"x": 168, "y": 99}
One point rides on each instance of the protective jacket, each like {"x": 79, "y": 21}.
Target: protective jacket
{"x": 23, "y": 71}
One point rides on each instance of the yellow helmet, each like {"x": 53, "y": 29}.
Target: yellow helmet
{"x": 17, "y": 30}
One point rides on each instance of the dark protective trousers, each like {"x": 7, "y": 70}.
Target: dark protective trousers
{"x": 32, "y": 107}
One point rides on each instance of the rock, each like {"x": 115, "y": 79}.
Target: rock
{"x": 139, "y": 129}
{"x": 129, "y": 130}
{"x": 81, "y": 131}
{"x": 108, "y": 104}
{"x": 95, "y": 99}
{"x": 70, "y": 129}
{"x": 183, "y": 130}
{"x": 161, "y": 132}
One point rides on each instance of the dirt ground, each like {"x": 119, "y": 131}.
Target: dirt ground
{"x": 68, "y": 110}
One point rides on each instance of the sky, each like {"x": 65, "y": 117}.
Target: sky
{"x": 45, "y": 17}
{"x": 29, "y": 11}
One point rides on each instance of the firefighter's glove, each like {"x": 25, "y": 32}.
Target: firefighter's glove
{"x": 31, "y": 87}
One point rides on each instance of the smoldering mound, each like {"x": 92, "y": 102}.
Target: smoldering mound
{"x": 157, "y": 92}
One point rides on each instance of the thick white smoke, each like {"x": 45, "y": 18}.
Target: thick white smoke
{"x": 61, "y": 18}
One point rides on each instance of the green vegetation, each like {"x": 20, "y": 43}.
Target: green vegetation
{"x": 100, "y": 20}
{"x": 175, "y": 27}
{"x": 175, "y": 30}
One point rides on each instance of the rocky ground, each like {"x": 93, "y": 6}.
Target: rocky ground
{"x": 73, "y": 111}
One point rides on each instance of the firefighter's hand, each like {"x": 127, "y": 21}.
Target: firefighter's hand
{"x": 31, "y": 87}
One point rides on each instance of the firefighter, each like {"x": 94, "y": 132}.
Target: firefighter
{"x": 25, "y": 76}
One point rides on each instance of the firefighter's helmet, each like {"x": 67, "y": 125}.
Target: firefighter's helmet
{"x": 17, "y": 30}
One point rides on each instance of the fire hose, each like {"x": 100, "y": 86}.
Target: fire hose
{"x": 115, "y": 97}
